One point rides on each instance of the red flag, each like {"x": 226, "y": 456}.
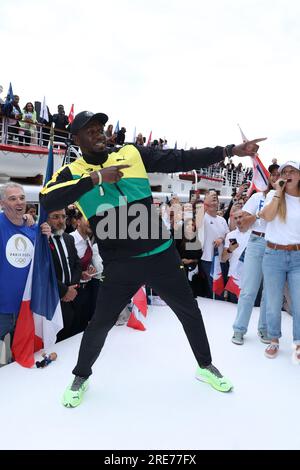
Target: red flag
{"x": 139, "y": 310}
{"x": 71, "y": 114}
{"x": 149, "y": 139}
{"x": 233, "y": 286}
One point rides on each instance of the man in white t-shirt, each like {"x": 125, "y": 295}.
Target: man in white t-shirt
{"x": 235, "y": 244}
{"x": 215, "y": 230}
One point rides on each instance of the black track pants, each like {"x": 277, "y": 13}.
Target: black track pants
{"x": 165, "y": 274}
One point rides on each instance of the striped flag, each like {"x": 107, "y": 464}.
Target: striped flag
{"x": 234, "y": 281}
{"x": 260, "y": 179}
{"x": 216, "y": 273}
{"x": 139, "y": 310}
{"x": 40, "y": 317}
{"x": 261, "y": 175}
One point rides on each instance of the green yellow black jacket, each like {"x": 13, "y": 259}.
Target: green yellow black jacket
{"x": 124, "y": 208}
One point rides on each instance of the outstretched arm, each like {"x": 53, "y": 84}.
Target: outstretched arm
{"x": 172, "y": 161}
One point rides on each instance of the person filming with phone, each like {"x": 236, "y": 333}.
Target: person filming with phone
{"x": 235, "y": 244}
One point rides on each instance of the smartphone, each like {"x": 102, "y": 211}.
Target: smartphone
{"x": 233, "y": 241}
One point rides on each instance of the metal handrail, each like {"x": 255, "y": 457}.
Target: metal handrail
{"x": 14, "y": 134}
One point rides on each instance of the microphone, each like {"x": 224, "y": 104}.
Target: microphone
{"x": 281, "y": 183}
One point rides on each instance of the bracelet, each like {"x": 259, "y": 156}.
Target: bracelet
{"x": 278, "y": 197}
{"x": 101, "y": 190}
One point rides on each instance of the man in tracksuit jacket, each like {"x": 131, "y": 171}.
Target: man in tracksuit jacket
{"x": 112, "y": 190}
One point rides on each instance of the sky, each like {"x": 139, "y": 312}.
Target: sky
{"x": 190, "y": 70}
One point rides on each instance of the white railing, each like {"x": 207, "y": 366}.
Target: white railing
{"x": 38, "y": 135}
{"x": 34, "y": 135}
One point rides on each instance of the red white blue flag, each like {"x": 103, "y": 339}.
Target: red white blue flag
{"x": 235, "y": 280}
{"x": 216, "y": 273}
{"x": 261, "y": 175}
{"x": 260, "y": 179}
{"x": 139, "y": 310}
{"x": 40, "y": 317}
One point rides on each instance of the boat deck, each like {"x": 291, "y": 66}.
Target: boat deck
{"x": 143, "y": 394}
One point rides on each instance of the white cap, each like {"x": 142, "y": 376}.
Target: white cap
{"x": 289, "y": 163}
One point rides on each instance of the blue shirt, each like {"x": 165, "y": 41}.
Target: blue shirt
{"x": 16, "y": 250}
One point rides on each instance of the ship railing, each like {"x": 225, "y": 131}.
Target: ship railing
{"x": 232, "y": 178}
{"x": 37, "y": 135}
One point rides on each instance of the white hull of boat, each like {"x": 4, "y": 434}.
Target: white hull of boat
{"x": 25, "y": 162}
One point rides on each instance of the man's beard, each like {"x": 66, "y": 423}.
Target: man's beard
{"x": 58, "y": 231}
{"x": 96, "y": 158}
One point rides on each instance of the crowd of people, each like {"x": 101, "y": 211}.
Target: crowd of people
{"x": 262, "y": 232}
{"x": 27, "y": 125}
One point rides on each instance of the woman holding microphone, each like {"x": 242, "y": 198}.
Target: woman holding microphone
{"x": 282, "y": 256}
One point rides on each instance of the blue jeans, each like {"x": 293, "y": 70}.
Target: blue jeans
{"x": 7, "y": 324}
{"x": 251, "y": 281}
{"x": 279, "y": 265}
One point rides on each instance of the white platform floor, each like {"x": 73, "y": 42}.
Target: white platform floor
{"x": 143, "y": 394}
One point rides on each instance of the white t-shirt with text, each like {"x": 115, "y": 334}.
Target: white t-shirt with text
{"x": 288, "y": 232}
{"x": 253, "y": 206}
{"x": 214, "y": 227}
{"x": 242, "y": 238}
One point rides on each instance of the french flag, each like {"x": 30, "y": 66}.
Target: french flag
{"x": 139, "y": 310}
{"x": 40, "y": 316}
{"x": 235, "y": 280}
{"x": 260, "y": 179}
{"x": 261, "y": 175}
{"x": 216, "y": 273}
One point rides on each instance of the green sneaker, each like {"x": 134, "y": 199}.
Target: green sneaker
{"x": 213, "y": 377}
{"x": 74, "y": 393}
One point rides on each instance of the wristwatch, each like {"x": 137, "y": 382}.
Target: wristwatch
{"x": 229, "y": 150}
